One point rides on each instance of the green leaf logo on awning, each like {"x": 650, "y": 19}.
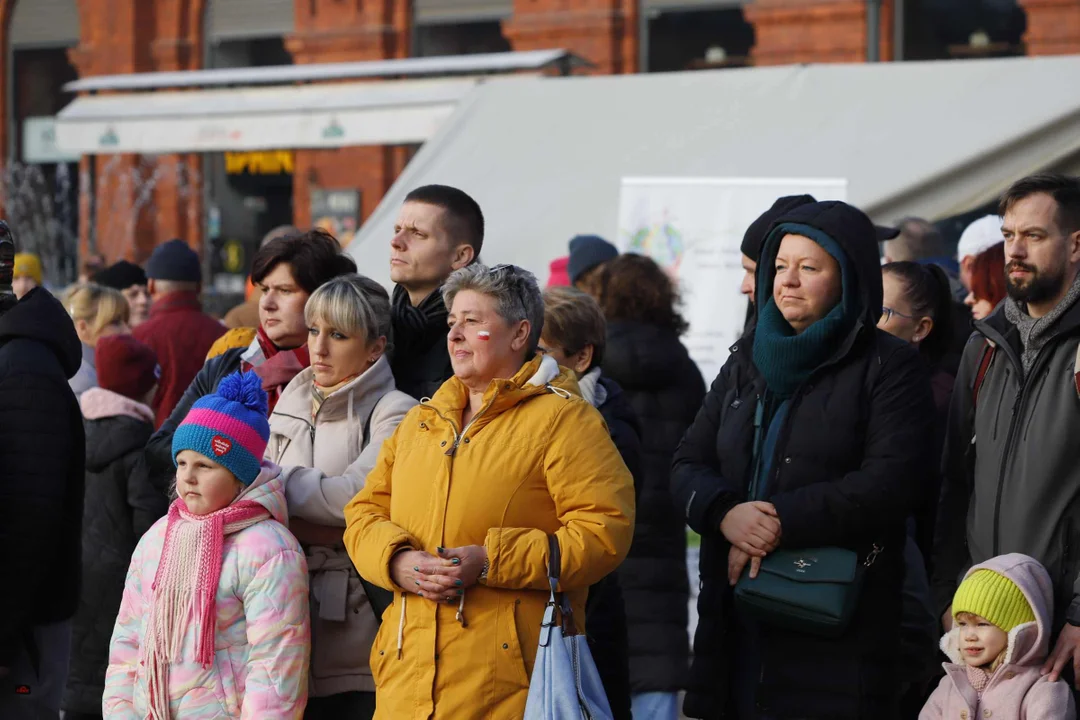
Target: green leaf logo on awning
{"x": 333, "y": 131}
{"x": 109, "y": 138}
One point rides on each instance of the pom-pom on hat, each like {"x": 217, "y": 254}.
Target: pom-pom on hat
{"x": 229, "y": 426}
{"x": 995, "y": 598}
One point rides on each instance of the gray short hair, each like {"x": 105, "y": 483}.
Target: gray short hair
{"x": 353, "y": 304}
{"x": 517, "y": 294}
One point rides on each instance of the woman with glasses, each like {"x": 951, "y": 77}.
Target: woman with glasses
{"x": 813, "y": 439}
{"x": 455, "y": 516}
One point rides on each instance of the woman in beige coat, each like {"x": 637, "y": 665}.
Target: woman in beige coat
{"x": 327, "y": 430}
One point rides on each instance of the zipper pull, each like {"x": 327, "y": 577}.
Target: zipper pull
{"x": 759, "y": 413}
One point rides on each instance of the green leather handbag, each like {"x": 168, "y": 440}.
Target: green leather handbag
{"x": 814, "y": 591}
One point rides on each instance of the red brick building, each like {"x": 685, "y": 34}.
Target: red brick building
{"x": 45, "y": 44}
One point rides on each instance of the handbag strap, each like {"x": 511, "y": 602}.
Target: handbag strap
{"x": 558, "y": 604}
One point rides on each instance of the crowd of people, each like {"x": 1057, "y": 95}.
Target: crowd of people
{"x": 342, "y": 501}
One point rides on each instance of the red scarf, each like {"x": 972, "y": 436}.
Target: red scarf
{"x": 278, "y": 368}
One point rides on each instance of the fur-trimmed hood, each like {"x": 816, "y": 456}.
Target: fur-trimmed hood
{"x": 1029, "y": 644}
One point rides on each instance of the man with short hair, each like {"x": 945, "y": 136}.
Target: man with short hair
{"x": 42, "y": 457}
{"x": 130, "y": 280}
{"x": 178, "y": 331}
{"x": 439, "y": 229}
{"x": 1011, "y": 477}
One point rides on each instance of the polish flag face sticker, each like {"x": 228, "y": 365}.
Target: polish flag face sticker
{"x": 220, "y": 445}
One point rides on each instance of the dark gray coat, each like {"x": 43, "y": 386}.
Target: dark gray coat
{"x": 1017, "y": 487}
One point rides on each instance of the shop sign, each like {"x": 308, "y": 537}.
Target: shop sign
{"x": 39, "y": 142}
{"x": 260, "y": 162}
{"x": 337, "y": 212}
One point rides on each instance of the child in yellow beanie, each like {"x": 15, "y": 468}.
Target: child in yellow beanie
{"x": 26, "y": 274}
{"x": 999, "y": 642}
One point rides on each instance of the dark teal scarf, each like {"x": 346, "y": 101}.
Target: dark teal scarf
{"x": 785, "y": 359}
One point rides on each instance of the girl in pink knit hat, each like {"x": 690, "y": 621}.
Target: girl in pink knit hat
{"x": 214, "y": 618}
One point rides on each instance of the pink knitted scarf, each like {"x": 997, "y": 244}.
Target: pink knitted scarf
{"x": 185, "y": 588}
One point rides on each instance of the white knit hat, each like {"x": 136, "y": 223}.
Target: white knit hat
{"x": 980, "y": 236}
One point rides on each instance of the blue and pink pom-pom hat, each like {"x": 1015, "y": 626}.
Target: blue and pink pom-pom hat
{"x": 229, "y": 426}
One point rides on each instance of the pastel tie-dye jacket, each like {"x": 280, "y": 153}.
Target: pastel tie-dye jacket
{"x": 262, "y": 642}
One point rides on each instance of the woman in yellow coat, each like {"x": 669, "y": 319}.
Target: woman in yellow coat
{"x": 455, "y": 516}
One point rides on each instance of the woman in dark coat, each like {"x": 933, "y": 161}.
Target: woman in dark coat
{"x": 845, "y": 448}
{"x": 664, "y": 387}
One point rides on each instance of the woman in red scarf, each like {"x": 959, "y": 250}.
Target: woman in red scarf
{"x": 287, "y": 270}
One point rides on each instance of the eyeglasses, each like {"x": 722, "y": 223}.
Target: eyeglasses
{"x": 888, "y": 312}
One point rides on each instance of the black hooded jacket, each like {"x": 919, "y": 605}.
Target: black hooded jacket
{"x": 121, "y": 504}
{"x": 850, "y": 465}
{"x": 42, "y": 450}
{"x": 665, "y": 389}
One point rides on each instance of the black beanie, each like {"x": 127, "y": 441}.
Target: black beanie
{"x": 120, "y": 276}
{"x": 174, "y": 260}
{"x": 754, "y": 238}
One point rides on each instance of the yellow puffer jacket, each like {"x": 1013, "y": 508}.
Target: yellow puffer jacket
{"x": 536, "y": 460}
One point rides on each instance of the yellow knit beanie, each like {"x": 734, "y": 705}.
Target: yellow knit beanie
{"x": 27, "y": 265}
{"x": 996, "y": 598}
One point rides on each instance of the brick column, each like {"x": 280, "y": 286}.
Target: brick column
{"x": 605, "y": 32}
{"x": 1053, "y": 26}
{"x": 332, "y": 31}
{"x": 114, "y": 43}
{"x": 815, "y": 31}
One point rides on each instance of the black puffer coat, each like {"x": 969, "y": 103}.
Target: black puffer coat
{"x": 606, "y": 608}
{"x": 42, "y": 451}
{"x": 665, "y": 390}
{"x": 851, "y": 464}
{"x": 121, "y": 504}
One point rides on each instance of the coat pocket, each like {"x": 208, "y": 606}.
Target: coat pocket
{"x": 229, "y": 695}
{"x": 511, "y": 672}
{"x": 341, "y": 648}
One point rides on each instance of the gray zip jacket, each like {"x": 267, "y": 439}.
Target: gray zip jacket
{"x": 1011, "y": 467}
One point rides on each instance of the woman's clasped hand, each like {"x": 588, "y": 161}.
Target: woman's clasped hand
{"x": 442, "y": 578}
{"x": 753, "y": 529}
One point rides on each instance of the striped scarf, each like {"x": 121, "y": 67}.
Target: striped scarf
{"x": 185, "y": 587}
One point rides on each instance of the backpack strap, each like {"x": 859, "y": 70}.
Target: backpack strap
{"x": 987, "y": 357}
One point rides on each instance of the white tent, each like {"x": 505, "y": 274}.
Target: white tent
{"x": 544, "y": 159}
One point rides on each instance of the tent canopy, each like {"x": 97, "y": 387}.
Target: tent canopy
{"x": 933, "y": 139}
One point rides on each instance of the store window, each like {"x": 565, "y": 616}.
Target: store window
{"x": 960, "y": 29}
{"x": 459, "y": 39}
{"x": 696, "y": 39}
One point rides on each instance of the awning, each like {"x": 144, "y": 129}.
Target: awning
{"x": 931, "y": 139}
{"x": 309, "y": 116}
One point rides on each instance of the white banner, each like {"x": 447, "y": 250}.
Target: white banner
{"x": 693, "y": 228}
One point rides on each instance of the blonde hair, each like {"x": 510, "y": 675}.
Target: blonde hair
{"x": 355, "y": 305}
{"x": 97, "y": 305}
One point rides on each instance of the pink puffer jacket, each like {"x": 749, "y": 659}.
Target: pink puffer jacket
{"x": 262, "y": 641}
{"x": 1017, "y": 690}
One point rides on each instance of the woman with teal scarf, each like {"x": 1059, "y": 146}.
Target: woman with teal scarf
{"x": 817, "y": 433}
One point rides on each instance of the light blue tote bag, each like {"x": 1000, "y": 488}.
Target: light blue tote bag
{"x": 565, "y": 684}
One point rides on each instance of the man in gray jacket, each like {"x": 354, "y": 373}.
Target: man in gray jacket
{"x": 1012, "y": 467}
